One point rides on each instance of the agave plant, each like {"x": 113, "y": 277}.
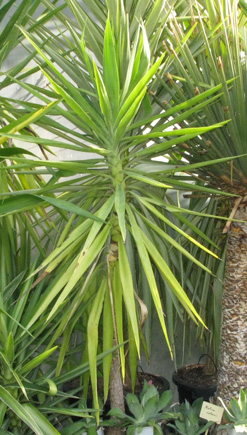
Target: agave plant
{"x": 116, "y": 217}
{"x": 148, "y": 411}
{"x": 208, "y": 47}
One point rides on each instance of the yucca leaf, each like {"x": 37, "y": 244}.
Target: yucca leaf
{"x": 67, "y": 206}
{"x": 129, "y": 115}
{"x": 148, "y": 180}
{"x": 92, "y": 332}
{"x": 26, "y": 120}
{"x": 156, "y": 11}
{"x": 128, "y": 290}
{"x": 77, "y": 106}
{"x": 108, "y": 335}
{"x": 133, "y": 356}
{"x": 21, "y": 203}
{"x": 168, "y": 222}
{"x": 11, "y": 152}
{"x": 165, "y": 270}
{"x": 139, "y": 88}
{"x": 82, "y": 264}
{"x": 110, "y": 69}
{"x": 19, "y": 410}
{"x": 103, "y": 97}
{"x": 35, "y": 362}
{"x": 120, "y": 208}
{"x": 144, "y": 258}
{"x": 13, "y": 372}
{"x": 43, "y": 423}
{"x": 174, "y": 243}
{"x": 117, "y": 291}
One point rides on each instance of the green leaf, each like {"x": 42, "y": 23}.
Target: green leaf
{"x": 83, "y": 262}
{"x": 90, "y": 126}
{"x": 110, "y": 68}
{"x": 92, "y": 334}
{"x": 45, "y": 426}
{"x": 147, "y": 180}
{"x": 20, "y": 411}
{"x": 108, "y": 334}
{"x": 13, "y": 372}
{"x": 24, "y": 202}
{"x": 35, "y": 362}
{"x": 144, "y": 258}
{"x": 65, "y": 205}
{"x": 9, "y": 349}
{"x": 176, "y": 228}
{"x": 128, "y": 290}
{"x": 24, "y": 121}
{"x": 120, "y": 208}
{"x": 129, "y": 115}
{"x": 174, "y": 243}
{"x": 117, "y": 291}
{"x": 103, "y": 97}
{"x": 165, "y": 399}
{"x": 139, "y": 89}
{"x": 13, "y": 151}
{"x": 171, "y": 279}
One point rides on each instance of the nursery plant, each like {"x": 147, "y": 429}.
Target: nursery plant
{"x": 189, "y": 421}
{"x": 208, "y": 47}
{"x": 110, "y": 201}
{"x": 236, "y": 412}
{"x": 149, "y": 410}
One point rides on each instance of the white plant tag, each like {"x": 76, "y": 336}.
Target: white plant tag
{"x": 211, "y": 412}
{"x": 241, "y": 428}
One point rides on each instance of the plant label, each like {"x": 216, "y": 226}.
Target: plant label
{"x": 241, "y": 428}
{"x": 211, "y": 412}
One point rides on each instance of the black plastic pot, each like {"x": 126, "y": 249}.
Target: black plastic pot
{"x": 192, "y": 390}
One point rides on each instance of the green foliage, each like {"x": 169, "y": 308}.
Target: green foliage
{"x": 206, "y": 43}
{"x": 116, "y": 235}
{"x": 88, "y": 424}
{"x": 204, "y": 58}
{"x": 146, "y": 411}
{"x": 188, "y": 421}
{"x": 236, "y": 412}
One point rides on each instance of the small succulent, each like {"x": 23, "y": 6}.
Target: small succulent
{"x": 148, "y": 411}
{"x": 188, "y": 419}
{"x": 236, "y": 412}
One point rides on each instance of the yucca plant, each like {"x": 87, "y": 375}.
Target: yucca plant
{"x": 29, "y": 395}
{"x": 116, "y": 254}
{"x": 32, "y": 399}
{"x": 208, "y": 46}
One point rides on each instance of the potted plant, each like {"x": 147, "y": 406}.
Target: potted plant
{"x": 145, "y": 414}
{"x": 188, "y": 421}
{"x": 236, "y": 414}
